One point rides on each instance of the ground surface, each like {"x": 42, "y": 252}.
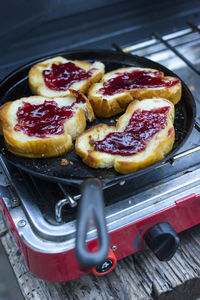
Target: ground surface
{"x": 9, "y": 289}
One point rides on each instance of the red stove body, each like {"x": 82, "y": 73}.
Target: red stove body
{"x": 124, "y": 241}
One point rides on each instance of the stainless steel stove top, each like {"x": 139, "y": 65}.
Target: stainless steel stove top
{"x": 47, "y": 211}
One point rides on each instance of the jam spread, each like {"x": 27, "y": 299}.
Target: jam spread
{"x": 78, "y": 95}
{"x": 136, "y": 79}
{"x": 60, "y": 77}
{"x": 143, "y": 125}
{"x": 44, "y": 119}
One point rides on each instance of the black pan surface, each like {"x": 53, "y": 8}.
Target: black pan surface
{"x": 16, "y": 86}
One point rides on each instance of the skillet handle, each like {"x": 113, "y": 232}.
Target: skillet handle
{"x": 91, "y": 212}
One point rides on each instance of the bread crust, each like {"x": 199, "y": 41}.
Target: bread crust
{"x": 38, "y": 86}
{"x": 52, "y": 145}
{"x": 157, "y": 148}
{"x": 107, "y": 106}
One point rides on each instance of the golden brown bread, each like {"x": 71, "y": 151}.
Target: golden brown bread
{"x": 49, "y": 145}
{"x": 38, "y": 86}
{"x": 157, "y": 147}
{"x": 110, "y": 105}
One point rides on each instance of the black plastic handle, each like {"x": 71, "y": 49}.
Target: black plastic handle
{"x": 163, "y": 240}
{"x": 91, "y": 212}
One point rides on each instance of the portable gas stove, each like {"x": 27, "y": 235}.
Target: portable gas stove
{"x": 148, "y": 211}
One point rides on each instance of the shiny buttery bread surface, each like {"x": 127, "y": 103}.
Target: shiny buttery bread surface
{"x": 38, "y": 86}
{"x": 50, "y": 145}
{"x": 156, "y": 148}
{"x": 110, "y": 105}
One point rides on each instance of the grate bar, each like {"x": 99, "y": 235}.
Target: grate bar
{"x": 177, "y": 53}
{"x": 197, "y": 126}
{"x": 58, "y": 209}
{"x": 153, "y": 41}
{"x": 185, "y": 153}
{"x": 194, "y": 27}
{"x": 118, "y": 48}
{"x": 71, "y": 200}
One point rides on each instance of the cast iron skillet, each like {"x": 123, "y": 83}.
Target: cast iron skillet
{"x": 92, "y": 180}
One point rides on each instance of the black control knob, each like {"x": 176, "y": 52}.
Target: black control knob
{"x": 163, "y": 240}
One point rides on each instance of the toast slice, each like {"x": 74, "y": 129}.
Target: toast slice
{"x": 38, "y": 127}
{"x": 55, "y": 76}
{"x": 143, "y": 135}
{"x": 119, "y": 87}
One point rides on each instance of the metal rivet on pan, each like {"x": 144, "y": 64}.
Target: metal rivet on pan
{"x": 21, "y": 223}
{"x": 114, "y": 248}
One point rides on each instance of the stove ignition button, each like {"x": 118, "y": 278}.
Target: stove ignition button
{"x": 163, "y": 240}
{"x": 107, "y": 266}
